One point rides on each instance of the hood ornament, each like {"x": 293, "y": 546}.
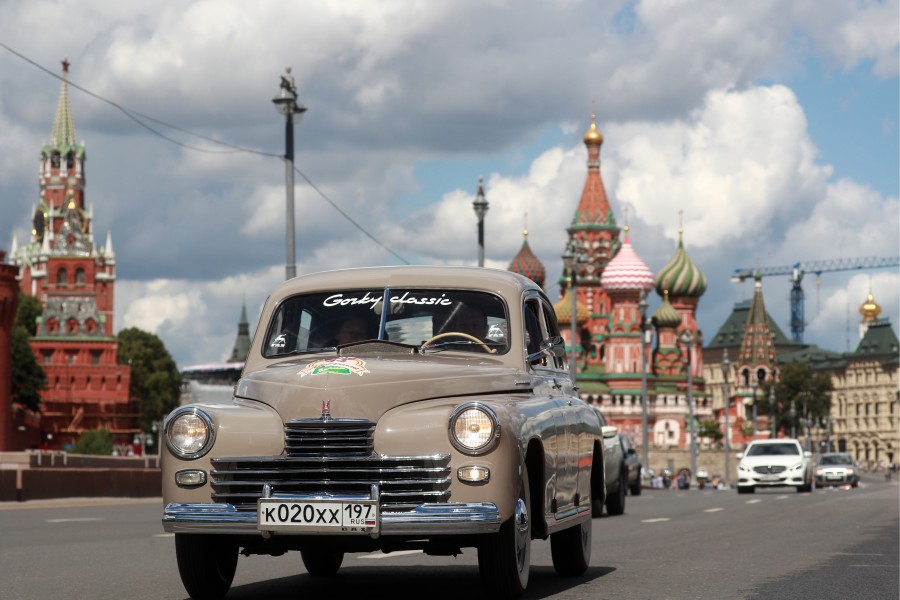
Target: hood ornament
{"x": 326, "y": 410}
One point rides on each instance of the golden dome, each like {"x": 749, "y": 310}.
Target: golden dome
{"x": 563, "y": 310}
{"x": 593, "y": 135}
{"x": 870, "y": 309}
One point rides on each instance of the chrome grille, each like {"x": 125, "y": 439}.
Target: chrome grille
{"x": 770, "y": 469}
{"x": 329, "y": 437}
{"x": 404, "y": 481}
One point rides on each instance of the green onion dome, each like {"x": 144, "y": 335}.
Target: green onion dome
{"x": 666, "y": 316}
{"x": 681, "y": 277}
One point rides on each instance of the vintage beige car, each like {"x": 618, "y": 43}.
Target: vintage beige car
{"x": 386, "y": 409}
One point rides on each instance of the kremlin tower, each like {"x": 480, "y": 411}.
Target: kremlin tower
{"x": 74, "y": 279}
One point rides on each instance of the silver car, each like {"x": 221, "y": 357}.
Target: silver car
{"x": 836, "y": 468}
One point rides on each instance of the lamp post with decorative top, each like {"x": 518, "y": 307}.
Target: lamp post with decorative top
{"x": 572, "y": 259}
{"x": 645, "y": 425}
{"x": 286, "y": 103}
{"x": 726, "y": 365}
{"x": 480, "y": 205}
{"x": 688, "y": 340}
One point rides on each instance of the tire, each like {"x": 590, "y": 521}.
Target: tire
{"x": 747, "y": 489}
{"x": 322, "y": 563}
{"x": 504, "y": 558}
{"x": 615, "y": 504}
{"x": 571, "y": 549}
{"x": 206, "y": 564}
{"x": 637, "y": 486}
{"x": 598, "y": 487}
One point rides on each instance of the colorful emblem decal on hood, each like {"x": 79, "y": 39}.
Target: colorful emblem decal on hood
{"x": 345, "y": 365}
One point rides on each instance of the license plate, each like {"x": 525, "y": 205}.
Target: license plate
{"x": 769, "y": 477}
{"x": 317, "y": 516}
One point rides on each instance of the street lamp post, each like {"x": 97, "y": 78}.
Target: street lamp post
{"x": 480, "y": 204}
{"x": 688, "y": 340}
{"x": 793, "y": 413}
{"x": 726, "y": 365}
{"x": 286, "y": 103}
{"x": 772, "y": 420}
{"x": 760, "y": 377}
{"x": 572, "y": 258}
{"x": 645, "y": 442}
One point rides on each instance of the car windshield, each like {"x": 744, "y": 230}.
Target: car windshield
{"x": 835, "y": 459}
{"x": 772, "y": 450}
{"x": 446, "y": 319}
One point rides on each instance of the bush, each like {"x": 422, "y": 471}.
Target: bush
{"x": 95, "y": 441}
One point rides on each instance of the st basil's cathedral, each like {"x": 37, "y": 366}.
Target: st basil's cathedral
{"x": 610, "y": 288}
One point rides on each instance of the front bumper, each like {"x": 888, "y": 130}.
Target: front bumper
{"x": 835, "y": 479}
{"x": 446, "y": 518}
{"x": 773, "y": 480}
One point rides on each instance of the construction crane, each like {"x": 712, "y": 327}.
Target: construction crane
{"x": 797, "y": 270}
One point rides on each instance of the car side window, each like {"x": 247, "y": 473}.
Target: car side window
{"x": 533, "y": 333}
{"x": 551, "y": 330}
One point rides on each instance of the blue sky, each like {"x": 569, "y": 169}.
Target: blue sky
{"x": 772, "y": 125}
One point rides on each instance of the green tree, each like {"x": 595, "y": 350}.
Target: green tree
{"x": 155, "y": 380}
{"x": 711, "y": 429}
{"x": 807, "y": 390}
{"x": 28, "y": 377}
{"x": 94, "y": 441}
{"x": 28, "y": 309}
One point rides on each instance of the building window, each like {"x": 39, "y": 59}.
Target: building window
{"x": 79, "y": 276}
{"x": 61, "y": 277}
{"x": 48, "y": 357}
{"x": 95, "y": 357}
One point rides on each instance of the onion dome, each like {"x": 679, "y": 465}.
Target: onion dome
{"x": 870, "y": 309}
{"x": 563, "y": 310}
{"x": 681, "y": 277}
{"x": 593, "y": 137}
{"x": 626, "y": 271}
{"x": 527, "y": 264}
{"x": 666, "y": 316}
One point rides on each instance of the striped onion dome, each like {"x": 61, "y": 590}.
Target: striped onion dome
{"x": 563, "y": 310}
{"x": 681, "y": 277}
{"x": 626, "y": 271}
{"x": 666, "y": 316}
{"x": 527, "y": 264}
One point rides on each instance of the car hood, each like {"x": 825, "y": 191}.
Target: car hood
{"x": 365, "y": 387}
{"x": 772, "y": 459}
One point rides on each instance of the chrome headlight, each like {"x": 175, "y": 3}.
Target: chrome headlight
{"x": 743, "y": 467}
{"x": 797, "y": 467}
{"x": 474, "y": 428}
{"x": 189, "y": 432}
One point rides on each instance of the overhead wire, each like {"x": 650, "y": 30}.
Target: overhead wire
{"x": 231, "y": 148}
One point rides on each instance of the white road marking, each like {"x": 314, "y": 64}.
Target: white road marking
{"x": 380, "y": 555}
{"x": 659, "y": 520}
{"x": 781, "y": 497}
{"x": 164, "y": 535}
{"x": 753, "y": 501}
{"x": 713, "y": 509}
{"x": 82, "y": 520}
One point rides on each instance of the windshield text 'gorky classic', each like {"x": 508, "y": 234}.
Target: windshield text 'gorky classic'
{"x": 406, "y": 298}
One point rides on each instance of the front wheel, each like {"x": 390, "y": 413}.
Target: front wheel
{"x": 322, "y": 563}
{"x": 635, "y": 488}
{"x": 504, "y": 558}
{"x": 615, "y": 504}
{"x": 206, "y": 564}
{"x": 571, "y": 549}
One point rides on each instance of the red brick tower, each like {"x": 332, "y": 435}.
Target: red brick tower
{"x": 74, "y": 279}
{"x": 9, "y": 290}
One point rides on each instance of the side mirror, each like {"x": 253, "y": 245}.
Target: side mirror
{"x": 609, "y": 431}
{"x": 807, "y": 454}
{"x": 555, "y": 345}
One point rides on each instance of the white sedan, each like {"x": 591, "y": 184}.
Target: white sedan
{"x": 774, "y": 463}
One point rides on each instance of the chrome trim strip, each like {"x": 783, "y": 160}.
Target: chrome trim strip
{"x": 447, "y": 518}
{"x": 568, "y": 517}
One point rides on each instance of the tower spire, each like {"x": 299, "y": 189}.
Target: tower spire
{"x": 63, "y": 136}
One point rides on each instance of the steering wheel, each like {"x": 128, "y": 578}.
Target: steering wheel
{"x": 440, "y": 336}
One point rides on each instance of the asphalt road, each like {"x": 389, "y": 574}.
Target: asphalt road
{"x": 831, "y": 543}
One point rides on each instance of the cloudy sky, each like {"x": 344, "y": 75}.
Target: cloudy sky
{"x": 773, "y": 126}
